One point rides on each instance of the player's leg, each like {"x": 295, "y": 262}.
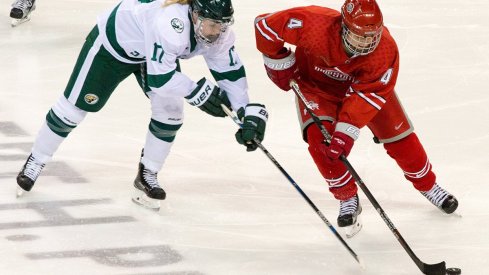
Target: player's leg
{"x": 392, "y": 127}
{"x": 95, "y": 70}
{"x": 61, "y": 119}
{"x": 166, "y": 119}
{"x": 339, "y": 179}
{"x": 21, "y": 10}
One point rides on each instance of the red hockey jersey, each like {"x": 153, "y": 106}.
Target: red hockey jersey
{"x": 362, "y": 84}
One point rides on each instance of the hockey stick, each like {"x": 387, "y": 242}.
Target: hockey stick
{"x": 430, "y": 269}
{"x": 289, "y": 178}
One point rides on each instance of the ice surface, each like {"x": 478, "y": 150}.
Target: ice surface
{"x": 228, "y": 211}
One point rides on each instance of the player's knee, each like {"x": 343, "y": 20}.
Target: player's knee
{"x": 64, "y": 117}
{"x": 163, "y": 131}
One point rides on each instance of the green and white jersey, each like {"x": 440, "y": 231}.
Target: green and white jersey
{"x": 138, "y": 31}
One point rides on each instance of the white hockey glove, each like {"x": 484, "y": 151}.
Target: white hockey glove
{"x": 254, "y": 118}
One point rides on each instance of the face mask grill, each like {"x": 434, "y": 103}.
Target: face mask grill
{"x": 358, "y": 44}
{"x": 209, "y": 31}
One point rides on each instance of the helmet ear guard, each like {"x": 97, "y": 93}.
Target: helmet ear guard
{"x": 362, "y": 25}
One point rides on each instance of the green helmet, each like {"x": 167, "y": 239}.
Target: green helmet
{"x": 219, "y": 10}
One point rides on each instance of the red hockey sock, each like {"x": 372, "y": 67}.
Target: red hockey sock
{"x": 412, "y": 159}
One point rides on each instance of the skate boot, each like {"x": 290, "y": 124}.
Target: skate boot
{"x": 148, "y": 191}
{"x": 349, "y": 217}
{"x": 21, "y": 10}
{"x": 28, "y": 175}
{"x": 439, "y": 197}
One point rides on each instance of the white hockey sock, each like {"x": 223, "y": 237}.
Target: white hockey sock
{"x": 46, "y": 144}
{"x": 155, "y": 152}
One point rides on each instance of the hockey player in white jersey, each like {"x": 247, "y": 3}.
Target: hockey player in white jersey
{"x": 147, "y": 38}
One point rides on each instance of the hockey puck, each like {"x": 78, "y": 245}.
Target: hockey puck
{"x": 454, "y": 271}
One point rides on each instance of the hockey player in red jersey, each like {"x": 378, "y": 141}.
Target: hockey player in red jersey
{"x": 346, "y": 64}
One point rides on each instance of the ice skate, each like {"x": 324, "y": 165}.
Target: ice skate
{"x": 21, "y": 11}
{"x": 28, "y": 175}
{"x": 148, "y": 191}
{"x": 349, "y": 217}
{"x": 439, "y": 197}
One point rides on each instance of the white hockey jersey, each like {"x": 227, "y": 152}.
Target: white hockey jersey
{"x": 137, "y": 31}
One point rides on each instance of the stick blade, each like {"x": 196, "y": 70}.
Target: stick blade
{"x": 434, "y": 269}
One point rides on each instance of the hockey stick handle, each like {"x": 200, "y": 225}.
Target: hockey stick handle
{"x": 296, "y": 186}
{"x": 438, "y": 268}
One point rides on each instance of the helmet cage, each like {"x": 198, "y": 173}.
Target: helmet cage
{"x": 357, "y": 44}
{"x": 203, "y": 25}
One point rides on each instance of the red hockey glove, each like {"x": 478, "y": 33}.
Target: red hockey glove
{"x": 340, "y": 144}
{"x": 281, "y": 68}
{"x": 342, "y": 140}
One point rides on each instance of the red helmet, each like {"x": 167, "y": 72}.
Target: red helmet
{"x": 362, "y": 26}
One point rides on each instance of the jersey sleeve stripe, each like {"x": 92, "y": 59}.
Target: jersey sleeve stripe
{"x": 257, "y": 25}
{"x": 159, "y": 80}
{"x": 381, "y": 99}
{"x": 229, "y": 75}
{"x": 270, "y": 29}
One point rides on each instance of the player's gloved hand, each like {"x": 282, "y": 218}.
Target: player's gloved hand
{"x": 208, "y": 97}
{"x": 342, "y": 140}
{"x": 254, "y": 117}
{"x": 281, "y": 68}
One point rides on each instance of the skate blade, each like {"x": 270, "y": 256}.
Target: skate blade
{"x": 140, "y": 198}
{"x": 456, "y": 214}
{"x": 16, "y": 22}
{"x": 352, "y": 230}
{"x": 20, "y": 192}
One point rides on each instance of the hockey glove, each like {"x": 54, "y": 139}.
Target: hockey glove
{"x": 281, "y": 68}
{"x": 254, "y": 118}
{"x": 208, "y": 97}
{"x": 342, "y": 140}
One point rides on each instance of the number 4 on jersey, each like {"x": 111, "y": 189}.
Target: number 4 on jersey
{"x": 294, "y": 23}
{"x": 386, "y": 77}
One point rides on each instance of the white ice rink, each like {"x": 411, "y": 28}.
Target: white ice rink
{"x": 229, "y": 211}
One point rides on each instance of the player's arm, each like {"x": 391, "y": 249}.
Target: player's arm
{"x": 228, "y": 71}
{"x": 272, "y": 31}
{"x": 367, "y": 96}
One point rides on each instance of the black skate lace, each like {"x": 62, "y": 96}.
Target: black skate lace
{"x": 348, "y": 206}
{"x": 436, "y": 195}
{"x": 33, "y": 168}
{"x": 22, "y": 4}
{"x": 151, "y": 178}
